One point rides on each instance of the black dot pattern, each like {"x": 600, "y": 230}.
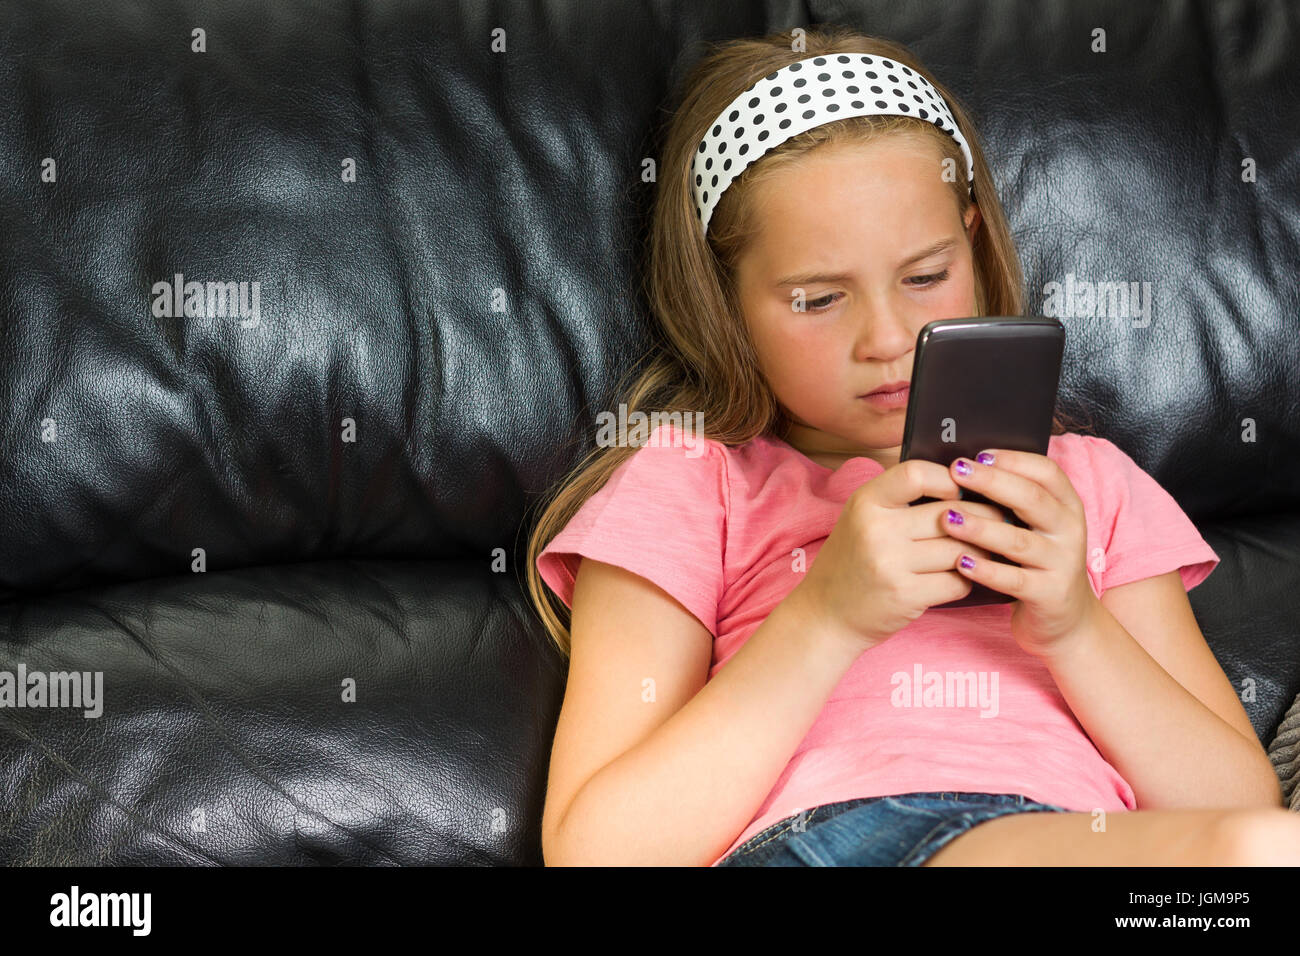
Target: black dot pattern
{"x": 801, "y": 96}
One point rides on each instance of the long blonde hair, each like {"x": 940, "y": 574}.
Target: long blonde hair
{"x": 706, "y": 362}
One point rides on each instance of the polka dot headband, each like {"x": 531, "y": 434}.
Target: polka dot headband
{"x": 806, "y": 94}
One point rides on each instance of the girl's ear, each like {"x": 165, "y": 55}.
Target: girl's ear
{"x": 972, "y": 219}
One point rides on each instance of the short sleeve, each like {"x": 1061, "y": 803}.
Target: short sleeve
{"x": 1141, "y": 527}
{"x": 661, "y": 515}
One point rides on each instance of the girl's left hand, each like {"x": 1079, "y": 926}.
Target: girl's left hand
{"x": 1054, "y": 596}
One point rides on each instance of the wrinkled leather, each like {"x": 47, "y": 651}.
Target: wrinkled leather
{"x": 226, "y": 737}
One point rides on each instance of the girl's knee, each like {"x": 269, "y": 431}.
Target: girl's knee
{"x": 1263, "y": 836}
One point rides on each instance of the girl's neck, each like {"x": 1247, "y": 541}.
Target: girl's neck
{"x": 833, "y": 451}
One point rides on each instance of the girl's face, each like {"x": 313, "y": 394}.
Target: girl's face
{"x": 872, "y": 236}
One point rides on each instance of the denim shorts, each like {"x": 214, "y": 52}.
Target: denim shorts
{"x": 902, "y": 830}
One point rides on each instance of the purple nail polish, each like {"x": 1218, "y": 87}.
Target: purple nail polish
{"x": 967, "y": 562}
{"x": 954, "y": 517}
{"x": 985, "y": 458}
{"x": 963, "y": 467}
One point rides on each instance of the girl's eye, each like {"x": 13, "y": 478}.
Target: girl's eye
{"x": 917, "y": 282}
{"x": 929, "y": 280}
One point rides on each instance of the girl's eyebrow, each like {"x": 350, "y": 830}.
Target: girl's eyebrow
{"x": 812, "y": 278}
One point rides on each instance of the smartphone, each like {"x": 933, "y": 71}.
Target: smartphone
{"x": 987, "y": 382}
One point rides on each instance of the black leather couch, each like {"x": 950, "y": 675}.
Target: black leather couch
{"x": 293, "y": 544}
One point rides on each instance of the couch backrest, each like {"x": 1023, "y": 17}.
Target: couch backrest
{"x": 428, "y": 342}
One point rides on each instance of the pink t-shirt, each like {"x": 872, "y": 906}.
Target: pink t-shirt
{"x": 717, "y": 527}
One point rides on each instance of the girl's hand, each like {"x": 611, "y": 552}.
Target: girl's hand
{"x": 886, "y": 561}
{"x": 1054, "y": 596}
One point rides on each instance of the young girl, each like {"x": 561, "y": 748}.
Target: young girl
{"x": 757, "y": 671}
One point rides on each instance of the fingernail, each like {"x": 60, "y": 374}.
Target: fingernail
{"x": 985, "y": 458}
{"x": 954, "y": 517}
{"x": 967, "y": 562}
{"x": 963, "y": 467}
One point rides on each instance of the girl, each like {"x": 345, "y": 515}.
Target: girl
{"x": 757, "y": 673}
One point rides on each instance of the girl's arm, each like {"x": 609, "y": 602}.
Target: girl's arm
{"x": 681, "y": 773}
{"x": 1132, "y": 664}
{"x": 1156, "y": 704}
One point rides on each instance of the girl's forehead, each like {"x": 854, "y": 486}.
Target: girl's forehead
{"x": 882, "y": 181}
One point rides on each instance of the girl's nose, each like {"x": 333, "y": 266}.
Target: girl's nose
{"x": 882, "y": 336}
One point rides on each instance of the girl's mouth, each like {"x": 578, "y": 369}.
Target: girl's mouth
{"x": 888, "y": 400}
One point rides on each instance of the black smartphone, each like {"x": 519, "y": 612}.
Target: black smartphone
{"x": 987, "y": 382}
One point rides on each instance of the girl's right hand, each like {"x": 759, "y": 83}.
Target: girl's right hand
{"x": 885, "y": 561}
